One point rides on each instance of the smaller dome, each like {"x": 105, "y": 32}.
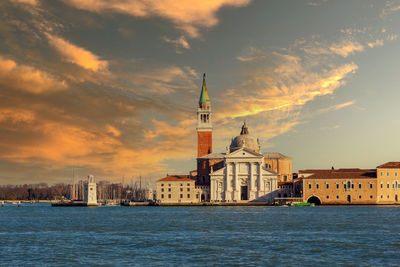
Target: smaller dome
{"x": 245, "y": 140}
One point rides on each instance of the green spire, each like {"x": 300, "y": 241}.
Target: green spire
{"x": 204, "y": 94}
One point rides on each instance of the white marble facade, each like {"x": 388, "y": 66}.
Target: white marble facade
{"x": 243, "y": 178}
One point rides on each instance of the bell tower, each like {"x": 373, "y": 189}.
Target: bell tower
{"x": 204, "y": 126}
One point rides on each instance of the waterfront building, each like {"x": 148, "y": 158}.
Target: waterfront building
{"x": 388, "y": 186}
{"x": 177, "y": 189}
{"x": 90, "y": 191}
{"x": 352, "y": 186}
{"x": 242, "y": 173}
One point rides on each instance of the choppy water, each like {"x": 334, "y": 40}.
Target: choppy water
{"x": 37, "y": 234}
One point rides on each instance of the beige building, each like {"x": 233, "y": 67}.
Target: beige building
{"x": 352, "y": 186}
{"x": 179, "y": 189}
{"x": 388, "y": 183}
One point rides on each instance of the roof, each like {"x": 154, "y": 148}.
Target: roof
{"x": 176, "y": 178}
{"x": 343, "y": 174}
{"x": 204, "y": 98}
{"x": 285, "y": 183}
{"x": 274, "y": 155}
{"x": 330, "y": 170}
{"x": 390, "y": 165}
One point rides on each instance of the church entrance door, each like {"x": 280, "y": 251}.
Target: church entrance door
{"x": 243, "y": 193}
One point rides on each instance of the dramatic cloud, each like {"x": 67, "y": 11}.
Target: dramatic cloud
{"x": 189, "y": 15}
{"x": 77, "y": 55}
{"x": 27, "y": 78}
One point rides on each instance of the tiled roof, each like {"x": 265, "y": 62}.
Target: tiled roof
{"x": 274, "y": 155}
{"x": 342, "y": 174}
{"x": 330, "y": 170}
{"x": 390, "y": 165}
{"x": 176, "y": 178}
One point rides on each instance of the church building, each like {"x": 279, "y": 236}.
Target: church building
{"x": 243, "y": 173}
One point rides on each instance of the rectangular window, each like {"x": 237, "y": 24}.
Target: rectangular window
{"x": 181, "y": 189}
{"x": 344, "y": 186}
{"x": 337, "y": 186}
{"x": 359, "y": 185}
{"x": 162, "y": 189}
{"x": 317, "y": 186}
{"x": 197, "y": 196}
{"x": 327, "y": 186}
{"x": 169, "y": 195}
{"x": 181, "y": 195}
{"x": 188, "y": 184}
{"x": 162, "y": 184}
{"x": 352, "y": 186}
{"x": 181, "y": 184}
{"x": 381, "y": 173}
{"x": 381, "y": 185}
{"x": 169, "y": 184}
{"x": 387, "y": 186}
{"x": 188, "y": 195}
{"x": 188, "y": 189}
{"x": 309, "y": 186}
{"x": 169, "y": 189}
{"x": 370, "y": 185}
{"x": 162, "y": 195}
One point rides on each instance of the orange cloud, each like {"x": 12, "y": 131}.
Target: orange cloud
{"x": 77, "y": 55}
{"x": 346, "y": 48}
{"x": 189, "y": 15}
{"x": 30, "y": 2}
{"x": 27, "y": 78}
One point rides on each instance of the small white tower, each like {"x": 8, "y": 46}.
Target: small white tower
{"x": 90, "y": 191}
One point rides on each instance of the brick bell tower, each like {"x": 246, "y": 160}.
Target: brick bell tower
{"x": 204, "y": 126}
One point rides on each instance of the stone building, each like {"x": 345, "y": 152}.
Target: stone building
{"x": 388, "y": 185}
{"x": 352, "y": 186}
{"x": 178, "y": 189}
{"x": 242, "y": 173}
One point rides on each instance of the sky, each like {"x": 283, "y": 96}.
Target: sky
{"x": 111, "y": 88}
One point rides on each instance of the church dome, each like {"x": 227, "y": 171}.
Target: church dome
{"x": 245, "y": 140}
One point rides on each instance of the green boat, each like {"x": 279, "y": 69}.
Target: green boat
{"x": 302, "y": 204}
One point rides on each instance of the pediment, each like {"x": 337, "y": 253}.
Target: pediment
{"x": 244, "y": 153}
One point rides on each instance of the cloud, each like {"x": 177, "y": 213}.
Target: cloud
{"x": 378, "y": 42}
{"x": 178, "y": 43}
{"x": 77, "y": 55}
{"x": 189, "y": 15}
{"x": 30, "y": 2}
{"x": 164, "y": 80}
{"x": 27, "y": 78}
{"x": 277, "y": 84}
{"x": 391, "y": 7}
{"x": 336, "y": 107}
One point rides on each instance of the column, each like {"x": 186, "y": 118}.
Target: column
{"x": 228, "y": 184}
{"x": 236, "y": 179}
{"x": 212, "y": 189}
{"x": 260, "y": 186}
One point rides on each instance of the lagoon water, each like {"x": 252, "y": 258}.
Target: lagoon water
{"x": 38, "y": 234}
